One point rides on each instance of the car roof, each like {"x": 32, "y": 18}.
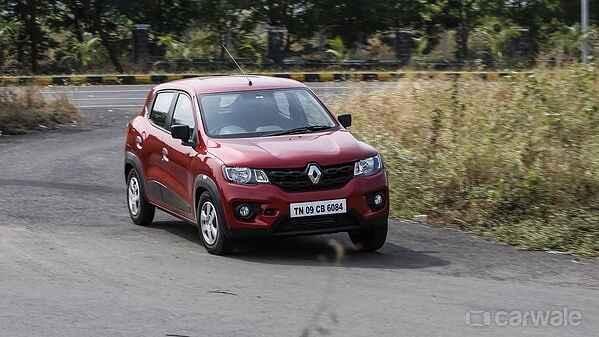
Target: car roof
{"x": 214, "y": 84}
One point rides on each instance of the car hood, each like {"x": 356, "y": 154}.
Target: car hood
{"x": 290, "y": 151}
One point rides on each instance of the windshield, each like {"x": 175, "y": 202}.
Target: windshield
{"x": 263, "y": 113}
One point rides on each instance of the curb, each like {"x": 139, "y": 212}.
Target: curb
{"x": 302, "y": 77}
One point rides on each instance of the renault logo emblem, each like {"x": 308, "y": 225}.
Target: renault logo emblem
{"x": 314, "y": 173}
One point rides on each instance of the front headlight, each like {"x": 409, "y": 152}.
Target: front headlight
{"x": 368, "y": 166}
{"x": 244, "y": 175}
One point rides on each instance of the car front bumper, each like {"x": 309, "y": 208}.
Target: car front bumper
{"x": 278, "y": 223}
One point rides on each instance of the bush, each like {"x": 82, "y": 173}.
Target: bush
{"x": 515, "y": 160}
{"x": 26, "y": 108}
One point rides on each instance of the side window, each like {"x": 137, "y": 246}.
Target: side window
{"x": 183, "y": 113}
{"x": 159, "y": 112}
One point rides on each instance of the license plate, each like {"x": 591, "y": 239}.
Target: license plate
{"x": 312, "y": 208}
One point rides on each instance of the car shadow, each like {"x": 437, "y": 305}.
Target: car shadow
{"x": 181, "y": 229}
{"x": 318, "y": 250}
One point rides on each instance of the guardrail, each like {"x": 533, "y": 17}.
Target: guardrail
{"x": 302, "y": 77}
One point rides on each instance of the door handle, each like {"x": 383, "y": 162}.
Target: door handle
{"x": 164, "y": 154}
{"x": 138, "y": 141}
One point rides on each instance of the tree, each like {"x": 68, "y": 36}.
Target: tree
{"x": 84, "y": 52}
{"x": 93, "y": 14}
{"x": 494, "y": 36}
{"x": 164, "y": 16}
{"x": 337, "y": 50}
{"x": 9, "y": 31}
{"x": 295, "y": 15}
{"x": 42, "y": 31}
{"x": 175, "y": 50}
{"x": 461, "y": 15}
{"x": 354, "y": 21}
{"x": 33, "y": 31}
{"x": 225, "y": 20}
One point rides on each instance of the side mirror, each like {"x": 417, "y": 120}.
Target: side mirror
{"x": 345, "y": 120}
{"x": 181, "y": 131}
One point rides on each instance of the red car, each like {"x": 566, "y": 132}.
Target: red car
{"x": 240, "y": 158}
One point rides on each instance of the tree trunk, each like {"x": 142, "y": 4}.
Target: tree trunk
{"x": 91, "y": 12}
{"x": 33, "y": 31}
{"x": 462, "y": 35}
{"x": 21, "y": 46}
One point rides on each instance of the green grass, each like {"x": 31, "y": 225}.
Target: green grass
{"x": 515, "y": 160}
{"x": 25, "y": 108}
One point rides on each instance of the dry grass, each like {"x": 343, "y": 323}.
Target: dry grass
{"x": 515, "y": 160}
{"x": 25, "y": 108}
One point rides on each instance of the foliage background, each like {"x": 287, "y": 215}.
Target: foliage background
{"x": 53, "y": 36}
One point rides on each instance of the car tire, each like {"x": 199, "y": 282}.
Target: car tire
{"x": 212, "y": 226}
{"x": 369, "y": 240}
{"x": 140, "y": 210}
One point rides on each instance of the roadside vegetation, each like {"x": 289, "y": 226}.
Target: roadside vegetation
{"x": 25, "y": 108}
{"x": 516, "y": 160}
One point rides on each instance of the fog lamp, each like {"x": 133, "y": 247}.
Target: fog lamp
{"x": 378, "y": 199}
{"x": 244, "y": 211}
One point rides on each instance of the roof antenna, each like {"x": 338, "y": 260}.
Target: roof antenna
{"x": 237, "y": 64}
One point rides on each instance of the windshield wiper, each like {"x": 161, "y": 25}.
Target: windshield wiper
{"x": 302, "y": 129}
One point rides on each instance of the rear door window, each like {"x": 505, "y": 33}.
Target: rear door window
{"x": 160, "y": 109}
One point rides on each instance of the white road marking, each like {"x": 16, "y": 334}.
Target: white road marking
{"x": 111, "y": 106}
{"x": 75, "y": 91}
{"x": 107, "y": 98}
{"x": 131, "y": 88}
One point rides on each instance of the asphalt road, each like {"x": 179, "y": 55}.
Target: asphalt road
{"x": 72, "y": 263}
{"x": 131, "y": 97}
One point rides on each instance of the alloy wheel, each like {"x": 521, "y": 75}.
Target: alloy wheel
{"x": 209, "y": 223}
{"x": 133, "y": 195}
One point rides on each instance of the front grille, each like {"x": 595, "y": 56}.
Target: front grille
{"x": 319, "y": 222}
{"x": 296, "y": 179}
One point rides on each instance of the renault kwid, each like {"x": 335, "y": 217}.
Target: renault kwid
{"x": 243, "y": 157}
